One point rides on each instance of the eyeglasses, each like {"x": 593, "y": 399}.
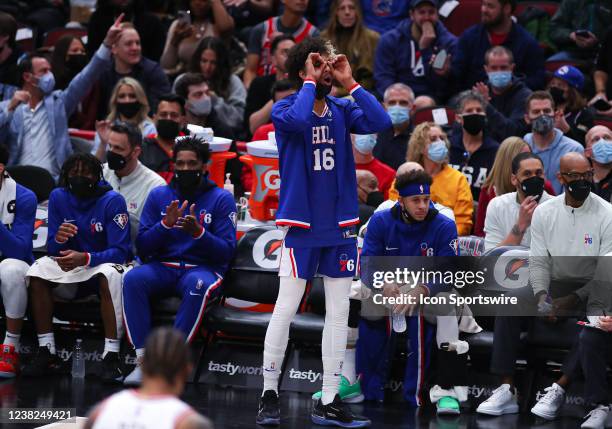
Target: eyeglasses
{"x": 587, "y": 175}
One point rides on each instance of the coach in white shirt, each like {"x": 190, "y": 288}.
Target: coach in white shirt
{"x": 509, "y": 215}
{"x": 126, "y": 174}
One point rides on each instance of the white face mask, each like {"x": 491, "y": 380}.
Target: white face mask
{"x": 201, "y": 107}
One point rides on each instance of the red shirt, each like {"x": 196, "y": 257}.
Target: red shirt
{"x": 497, "y": 38}
{"x": 384, "y": 174}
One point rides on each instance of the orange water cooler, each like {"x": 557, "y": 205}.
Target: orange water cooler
{"x": 262, "y": 157}
{"x": 219, "y": 148}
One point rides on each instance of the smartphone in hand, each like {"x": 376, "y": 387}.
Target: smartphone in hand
{"x": 440, "y": 60}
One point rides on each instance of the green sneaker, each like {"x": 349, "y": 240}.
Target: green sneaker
{"x": 448, "y": 406}
{"x": 349, "y": 393}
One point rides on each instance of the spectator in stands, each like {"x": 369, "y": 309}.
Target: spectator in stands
{"x": 128, "y": 61}
{"x": 499, "y": 180}
{"x": 135, "y": 12}
{"x": 577, "y": 28}
{"x": 9, "y": 51}
{"x": 429, "y": 147}
{"x": 509, "y": 215}
{"x": 349, "y": 35}
{"x": 292, "y": 21}
{"x": 383, "y": 16}
{"x": 157, "y": 150}
{"x": 259, "y": 97}
{"x": 545, "y": 140}
{"x": 363, "y": 145}
{"x": 45, "y": 15}
{"x": 573, "y": 116}
{"x": 472, "y": 152}
{"x": 423, "y": 102}
{"x": 421, "y": 36}
{"x": 599, "y": 151}
{"x": 187, "y": 238}
{"x": 601, "y": 76}
{"x": 392, "y": 144}
{"x": 208, "y": 18}
{"x": 193, "y": 87}
{"x": 577, "y": 217}
{"x": 68, "y": 59}
{"x": 226, "y": 92}
{"x": 369, "y": 195}
{"x": 18, "y": 212}
{"x": 128, "y": 103}
{"x": 497, "y": 28}
{"x": 506, "y": 95}
{"x": 89, "y": 239}
{"x": 124, "y": 172}
{"x": 44, "y": 142}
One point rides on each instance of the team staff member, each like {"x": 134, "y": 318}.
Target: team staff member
{"x": 187, "y": 238}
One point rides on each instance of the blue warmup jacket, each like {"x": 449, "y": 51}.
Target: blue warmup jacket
{"x": 216, "y": 211}
{"x": 468, "y": 63}
{"x": 410, "y": 65}
{"x": 295, "y": 123}
{"x": 383, "y": 15}
{"x": 16, "y": 239}
{"x": 102, "y": 221}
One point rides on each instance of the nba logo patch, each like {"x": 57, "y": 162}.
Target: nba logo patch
{"x": 421, "y": 188}
{"x": 133, "y": 205}
{"x": 121, "y": 220}
{"x": 588, "y": 239}
{"x": 423, "y": 249}
{"x": 199, "y": 284}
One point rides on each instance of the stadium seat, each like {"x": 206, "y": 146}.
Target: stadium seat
{"x": 606, "y": 121}
{"x": 443, "y": 116}
{"x": 463, "y": 16}
{"x": 37, "y": 179}
{"x": 53, "y": 36}
{"x": 550, "y": 7}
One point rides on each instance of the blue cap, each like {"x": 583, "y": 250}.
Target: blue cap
{"x": 571, "y": 75}
{"x": 415, "y": 3}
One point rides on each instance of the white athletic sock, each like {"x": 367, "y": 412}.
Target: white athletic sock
{"x": 47, "y": 340}
{"x": 11, "y": 339}
{"x": 335, "y": 330}
{"x": 110, "y": 345}
{"x": 290, "y": 294}
{"x": 348, "y": 368}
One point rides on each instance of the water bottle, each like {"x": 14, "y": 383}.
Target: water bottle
{"x": 78, "y": 360}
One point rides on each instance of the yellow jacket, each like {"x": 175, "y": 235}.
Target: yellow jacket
{"x": 451, "y": 189}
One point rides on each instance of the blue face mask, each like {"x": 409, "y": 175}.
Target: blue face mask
{"x": 46, "y": 83}
{"x": 500, "y": 79}
{"x": 398, "y": 114}
{"x": 602, "y": 151}
{"x": 365, "y": 144}
{"x": 437, "y": 151}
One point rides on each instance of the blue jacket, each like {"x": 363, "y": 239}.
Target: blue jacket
{"x": 59, "y": 106}
{"x": 383, "y": 15}
{"x": 505, "y": 112}
{"x": 389, "y": 235}
{"x": 16, "y": 239}
{"x": 468, "y": 63}
{"x": 102, "y": 221}
{"x": 551, "y": 156}
{"x": 292, "y": 118}
{"x": 410, "y": 65}
{"x": 216, "y": 211}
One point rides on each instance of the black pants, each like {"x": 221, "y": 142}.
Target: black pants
{"x": 595, "y": 346}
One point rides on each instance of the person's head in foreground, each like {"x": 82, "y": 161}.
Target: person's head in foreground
{"x": 191, "y": 155}
{"x": 528, "y": 175}
{"x": 296, "y": 63}
{"x": 576, "y": 176}
{"x": 414, "y": 194}
{"x": 80, "y": 175}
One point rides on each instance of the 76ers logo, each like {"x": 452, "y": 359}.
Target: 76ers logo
{"x": 95, "y": 226}
{"x": 346, "y": 264}
{"x": 205, "y": 218}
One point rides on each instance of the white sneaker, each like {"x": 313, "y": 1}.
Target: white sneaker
{"x": 134, "y": 378}
{"x": 596, "y": 418}
{"x": 548, "y": 406}
{"x": 501, "y": 401}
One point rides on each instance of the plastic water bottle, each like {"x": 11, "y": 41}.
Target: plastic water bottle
{"x": 78, "y": 360}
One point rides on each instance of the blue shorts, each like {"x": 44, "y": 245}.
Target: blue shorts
{"x": 305, "y": 262}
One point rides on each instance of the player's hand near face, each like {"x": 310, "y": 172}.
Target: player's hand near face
{"x": 341, "y": 70}
{"x": 189, "y": 224}
{"x": 314, "y": 66}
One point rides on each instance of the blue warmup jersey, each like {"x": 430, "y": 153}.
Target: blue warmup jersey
{"x": 102, "y": 221}
{"x": 16, "y": 238}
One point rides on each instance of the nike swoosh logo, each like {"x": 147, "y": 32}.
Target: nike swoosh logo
{"x": 194, "y": 294}
{"x": 269, "y": 370}
{"x": 69, "y": 220}
{"x": 391, "y": 248}
{"x": 163, "y": 213}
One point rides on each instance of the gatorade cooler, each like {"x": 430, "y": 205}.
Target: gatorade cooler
{"x": 219, "y": 156}
{"x": 262, "y": 157}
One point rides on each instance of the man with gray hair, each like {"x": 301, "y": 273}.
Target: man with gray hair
{"x": 472, "y": 152}
{"x": 392, "y": 144}
{"x": 506, "y": 94}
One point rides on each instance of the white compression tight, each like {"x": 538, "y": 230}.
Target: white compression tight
{"x": 334, "y": 332}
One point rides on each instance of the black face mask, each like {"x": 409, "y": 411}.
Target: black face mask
{"x": 374, "y": 199}
{"x": 167, "y": 129}
{"x": 322, "y": 91}
{"x": 188, "y": 180}
{"x": 76, "y": 63}
{"x": 129, "y": 110}
{"x": 474, "y": 123}
{"x": 81, "y": 186}
{"x": 115, "y": 161}
{"x": 579, "y": 189}
{"x": 557, "y": 95}
{"x": 533, "y": 187}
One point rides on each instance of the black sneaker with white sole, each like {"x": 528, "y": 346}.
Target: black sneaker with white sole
{"x": 338, "y": 414}
{"x": 269, "y": 409}
{"x": 44, "y": 363}
{"x": 111, "y": 369}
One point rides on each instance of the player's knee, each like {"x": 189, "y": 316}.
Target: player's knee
{"x": 12, "y": 273}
